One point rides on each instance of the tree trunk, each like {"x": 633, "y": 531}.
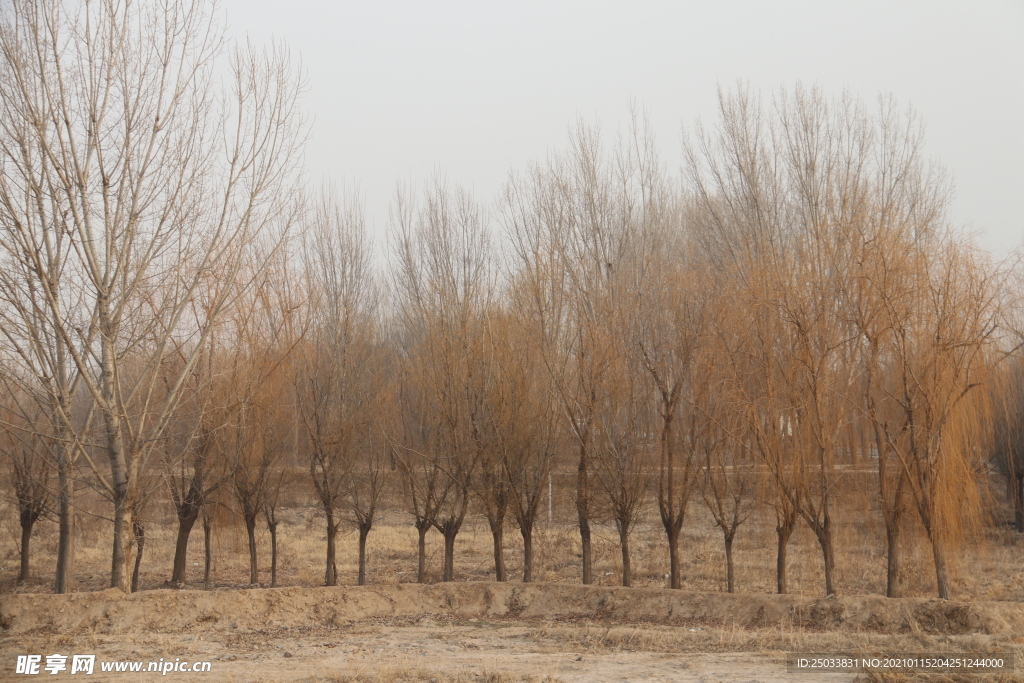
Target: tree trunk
{"x": 824, "y": 536}
{"x": 675, "y": 580}
{"x": 421, "y": 569}
{"x": 941, "y": 577}
{"x": 498, "y": 534}
{"x": 26, "y": 539}
{"x": 1018, "y": 508}
{"x": 139, "y": 532}
{"x": 893, "y": 579}
{"x": 250, "y": 529}
{"x": 585, "y": 548}
{"x": 122, "y": 463}
{"x": 273, "y": 553}
{"x": 185, "y": 525}
{"x": 124, "y": 537}
{"x": 583, "y": 513}
{"x": 667, "y": 494}
{"x": 364, "y": 531}
{"x": 66, "y": 522}
{"x": 63, "y": 582}
{"x": 207, "y": 549}
{"x": 624, "y": 547}
{"x": 331, "y": 572}
{"x": 729, "y": 576}
{"x": 449, "y": 554}
{"x": 526, "y": 531}
{"x": 784, "y": 530}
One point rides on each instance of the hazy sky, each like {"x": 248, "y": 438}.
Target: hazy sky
{"x": 474, "y": 89}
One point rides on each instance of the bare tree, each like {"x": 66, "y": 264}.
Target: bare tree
{"x": 115, "y": 137}
{"x": 30, "y": 473}
{"x": 668, "y": 329}
{"x": 339, "y": 375}
{"x": 255, "y": 443}
{"x": 901, "y": 208}
{"x": 726, "y": 479}
{"x": 262, "y": 426}
{"x": 522, "y": 419}
{"x": 191, "y": 468}
{"x": 621, "y": 463}
{"x": 491, "y": 483}
{"x": 424, "y": 483}
{"x": 444, "y": 279}
{"x": 779, "y": 201}
{"x": 572, "y": 226}
{"x": 367, "y": 483}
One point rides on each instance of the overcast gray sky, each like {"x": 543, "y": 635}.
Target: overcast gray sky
{"x": 474, "y": 89}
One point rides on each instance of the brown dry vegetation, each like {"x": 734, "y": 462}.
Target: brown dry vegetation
{"x": 992, "y": 568}
{"x": 500, "y": 631}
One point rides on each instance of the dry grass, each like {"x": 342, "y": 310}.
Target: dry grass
{"x": 996, "y": 564}
{"x": 418, "y": 675}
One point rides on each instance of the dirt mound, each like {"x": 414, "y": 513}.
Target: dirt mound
{"x": 182, "y": 610}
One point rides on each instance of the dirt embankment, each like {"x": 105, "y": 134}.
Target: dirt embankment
{"x": 181, "y": 610}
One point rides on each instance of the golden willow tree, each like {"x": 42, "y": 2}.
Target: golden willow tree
{"x": 1007, "y": 399}
{"x": 133, "y": 174}
{"x": 339, "y": 374}
{"x": 521, "y": 418}
{"x": 868, "y": 310}
{"x": 941, "y": 349}
{"x": 574, "y": 225}
{"x": 444, "y": 281}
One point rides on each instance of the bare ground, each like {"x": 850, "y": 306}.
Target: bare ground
{"x": 485, "y": 631}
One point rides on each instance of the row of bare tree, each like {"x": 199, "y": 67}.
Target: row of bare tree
{"x": 178, "y": 316}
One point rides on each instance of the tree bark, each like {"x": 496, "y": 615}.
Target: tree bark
{"x": 624, "y": 547}
{"x": 364, "y": 531}
{"x": 139, "y": 533}
{"x": 498, "y": 533}
{"x": 675, "y": 581}
{"x": 250, "y": 529}
{"x": 272, "y": 526}
{"x": 124, "y": 537}
{"x": 26, "y": 539}
{"x": 783, "y": 530}
{"x": 207, "y": 548}
{"x": 66, "y": 523}
{"x": 185, "y": 525}
{"x": 583, "y": 514}
{"x": 671, "y": 519}
{"x": 449, "y": 554}
{"x": 892, "y": 517}
{"x": 729, "y": 575}
{"x": 331, "y": 571}
{"x": 893, "y": 578}
{"x": 63, "y": 582}
{"x": 941, "y": 576}
{"x": 526, "y": 531}
{"x": 421, "y": 569}
{"x": 122, "y": 463}
{"x": 824, "y": 536}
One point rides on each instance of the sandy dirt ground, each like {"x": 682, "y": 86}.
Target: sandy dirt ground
{"x": 453, "y": 652}
{"x": 487, "y": 632}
